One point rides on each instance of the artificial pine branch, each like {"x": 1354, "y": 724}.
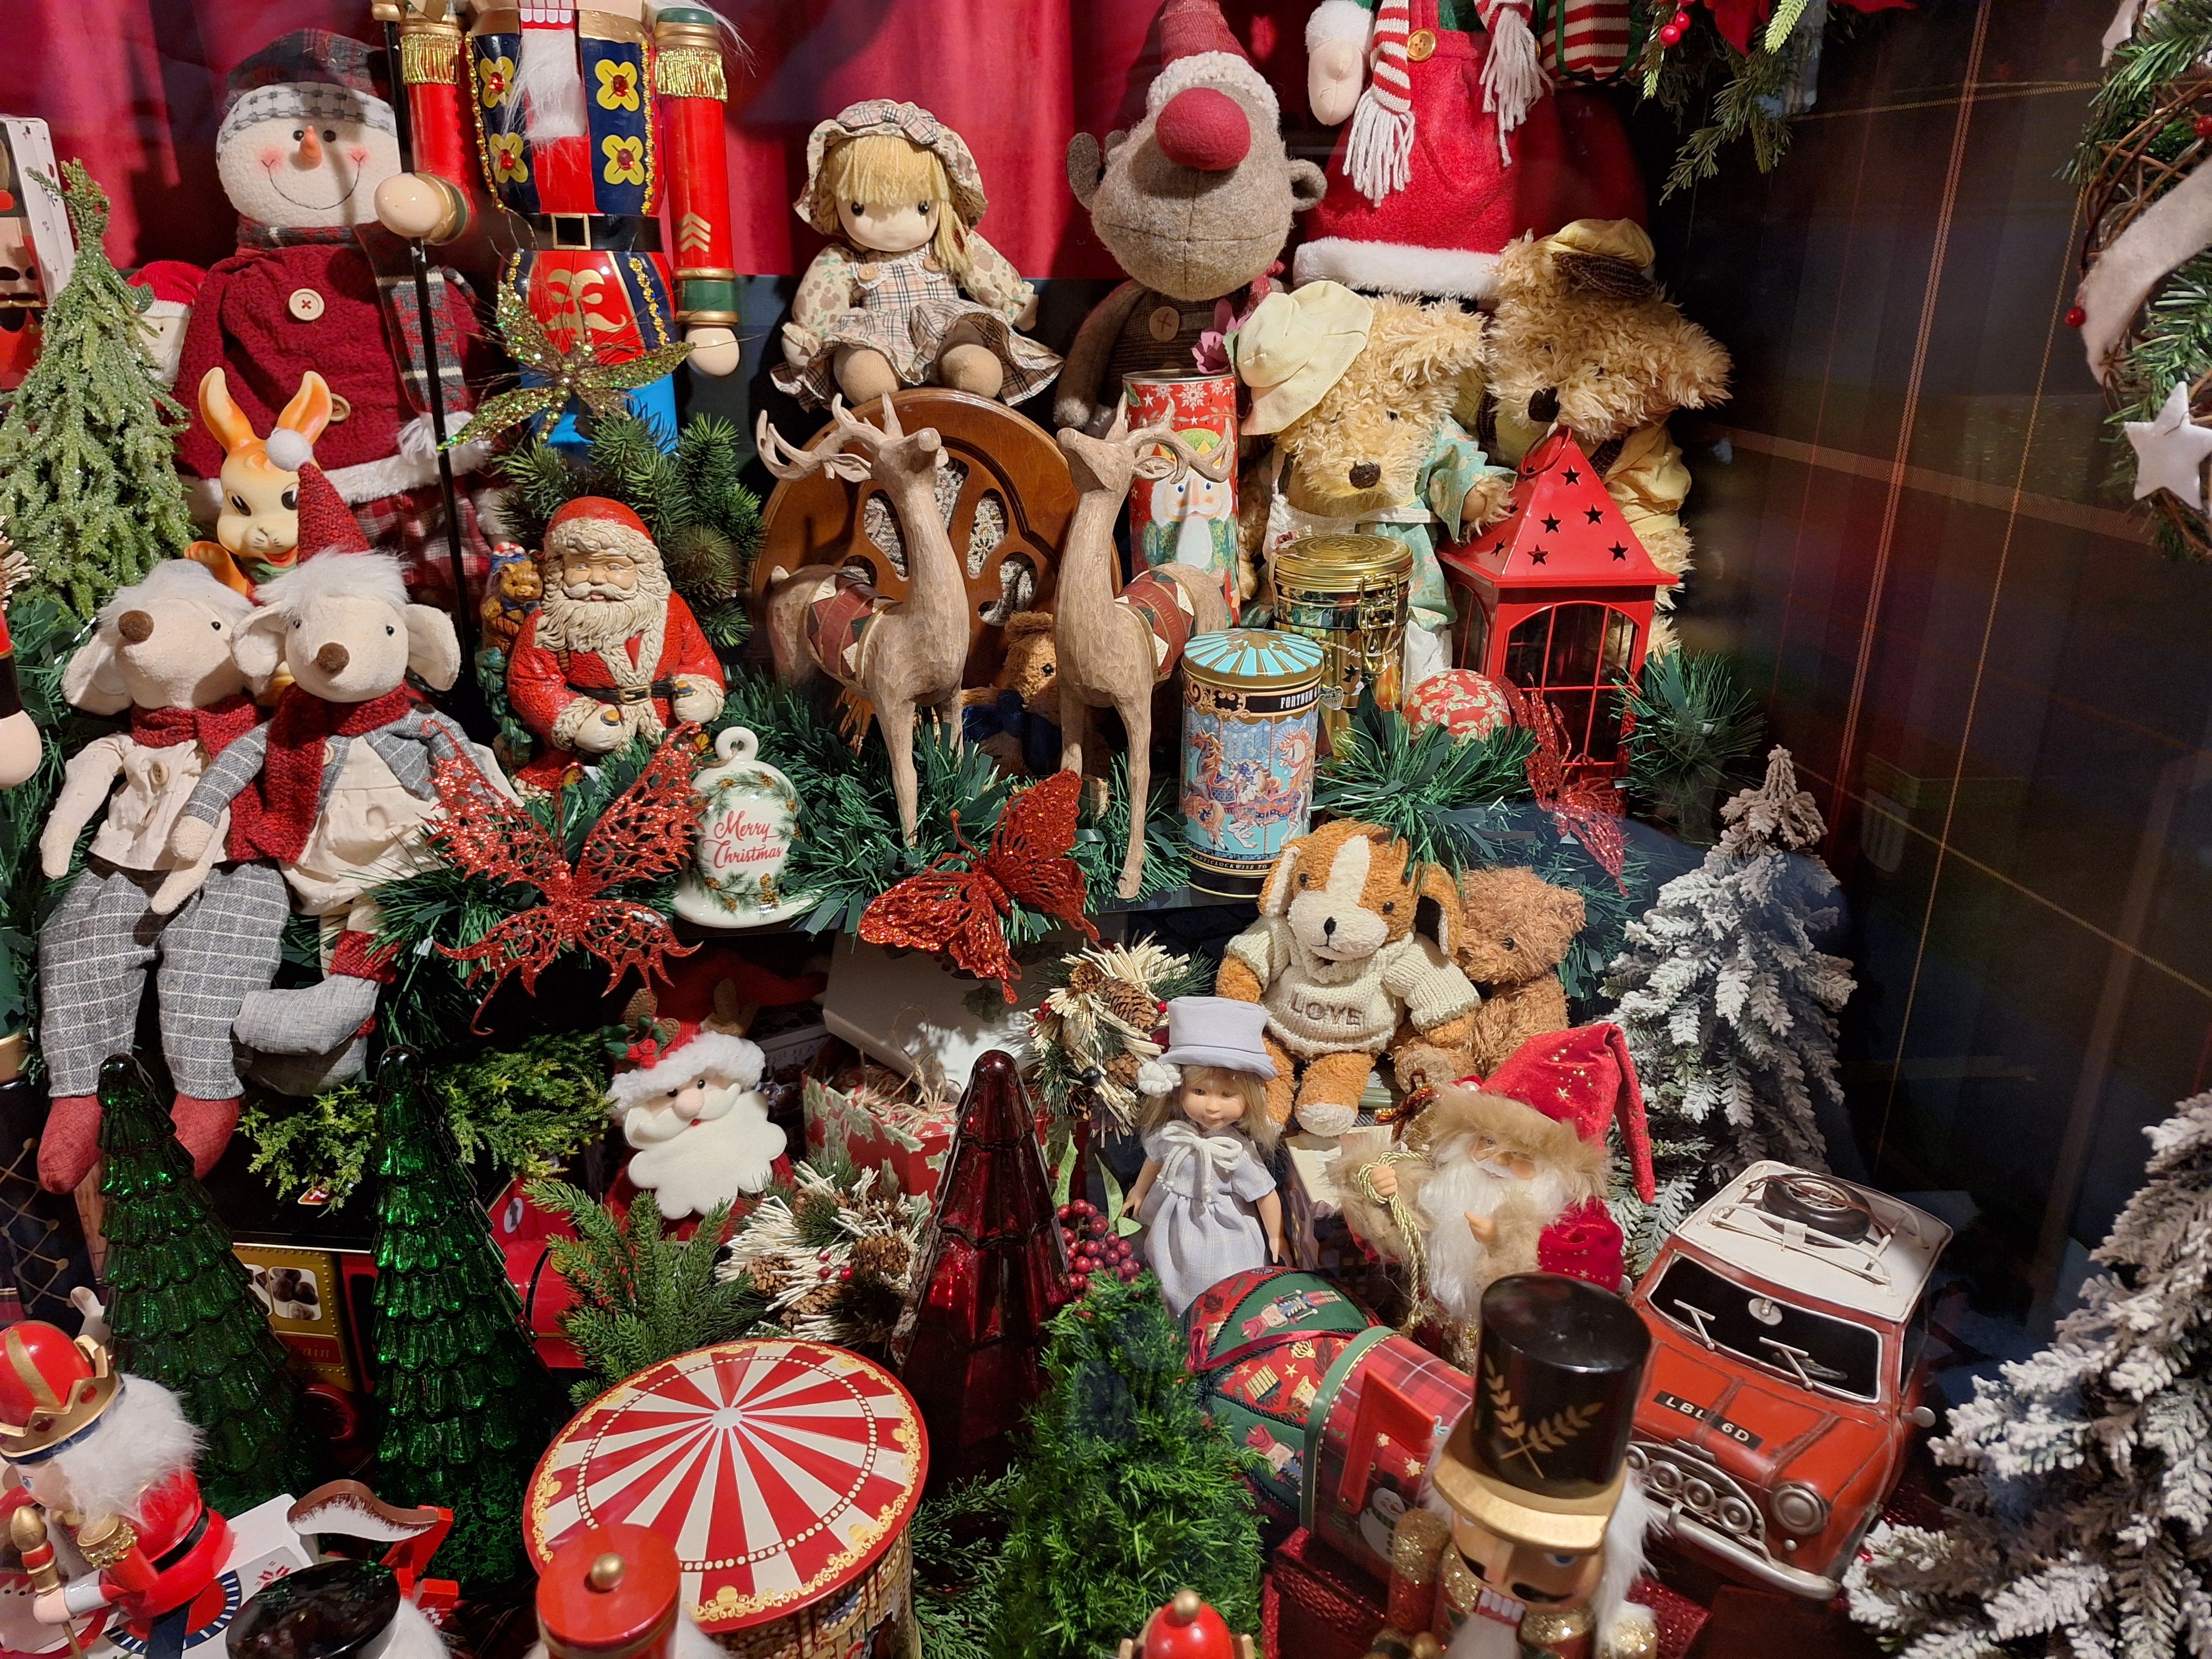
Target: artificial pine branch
{"x": 2079, "y": 1520}
{"x": 959, "y": 1541}
{"x": 1692, "y": 724}
{"x": 89, "y": 485}
{"x": 2168, "y": 41}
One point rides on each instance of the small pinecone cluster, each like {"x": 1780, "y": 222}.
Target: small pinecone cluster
{"x": 1092, "y": 1249}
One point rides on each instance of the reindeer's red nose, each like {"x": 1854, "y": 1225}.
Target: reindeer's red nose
{"x": 1205, "y": 129}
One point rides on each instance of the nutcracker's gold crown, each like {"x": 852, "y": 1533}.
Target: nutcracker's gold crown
{"x": 51, "y": 1389}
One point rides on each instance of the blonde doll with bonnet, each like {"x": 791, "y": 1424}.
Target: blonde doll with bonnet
{"x": 1209, "y": 1207}
{"x": 906, "y": 294}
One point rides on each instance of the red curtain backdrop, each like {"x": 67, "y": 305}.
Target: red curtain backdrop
{"x": 134, "y": 88}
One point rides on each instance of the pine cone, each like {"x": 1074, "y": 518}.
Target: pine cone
{"x": 1086, "y": 977}
{"x": 819, "y": 1300}
{"x": 813, "y": 1210}
{"x": 1132, "y": 1005}
{"x": 883, "y": 1257}
{"x": 1122, "y": 1069}
{"x": 767, "y": 1272}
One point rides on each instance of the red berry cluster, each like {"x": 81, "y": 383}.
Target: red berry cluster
{"x": 1092, "y": 1249}
{"x": 1672, "y": 31}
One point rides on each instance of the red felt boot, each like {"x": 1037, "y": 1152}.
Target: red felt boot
{"x": 69, "y": 1143}
{"x": 204, "y": 1127}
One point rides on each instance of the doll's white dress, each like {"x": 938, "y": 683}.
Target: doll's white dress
{"x": 1200, "y": 1220}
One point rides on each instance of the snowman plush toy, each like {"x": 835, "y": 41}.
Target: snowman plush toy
{"x": 317, "y": 283}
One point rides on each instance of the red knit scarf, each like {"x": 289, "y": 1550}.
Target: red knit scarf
{"x": 215, "y": 728}
{"x": 292, "y": 775}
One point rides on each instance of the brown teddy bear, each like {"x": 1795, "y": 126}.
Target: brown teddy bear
{"x": 1582, "y": 337}
{"x": 1358, "y": 392}
{"x": 1516, "y": 928}
{"x": 1338, "y": 962}
{"x": 1013, "y": 719}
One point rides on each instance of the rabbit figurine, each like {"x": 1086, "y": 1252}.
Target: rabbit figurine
{"x": 277, "y": 505}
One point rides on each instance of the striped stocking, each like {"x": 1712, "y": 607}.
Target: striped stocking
{"x": 1378, "y": 157}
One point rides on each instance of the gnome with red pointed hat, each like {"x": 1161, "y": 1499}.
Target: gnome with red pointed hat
{"x": 613, "y": 653}
{"x": 111, "y": 1457}
{"x": 1508, "y": 1174}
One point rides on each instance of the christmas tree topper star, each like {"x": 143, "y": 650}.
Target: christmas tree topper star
{"x": 2171, "y": 451}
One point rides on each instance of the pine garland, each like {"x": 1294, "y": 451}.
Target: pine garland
{"x": 1127, "y": 1490}
{"x": 87, "y": 479}
{"x": 526, "y": 1110}
{"x": 44, "y": 637}
{"x": 959, "y": 1544}
{"x": 2080, "y": 1523}
{"x": 1693, "y": 726}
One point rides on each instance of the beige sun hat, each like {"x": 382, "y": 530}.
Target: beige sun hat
{"x": 1295, "y": 346}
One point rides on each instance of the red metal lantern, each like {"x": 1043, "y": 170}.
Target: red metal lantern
{"x": 1558, "y": 598}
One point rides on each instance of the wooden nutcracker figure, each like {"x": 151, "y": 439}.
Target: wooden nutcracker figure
{"x": 110, "y": 1457}
{"x": 616, "y": 1593}
{"x": 1534, "y": 1530}
{"x": 581, "y": 123}
{"x": 1187, "y": 1628}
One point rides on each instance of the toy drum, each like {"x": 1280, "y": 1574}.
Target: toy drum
{"x": 1190, "y": 520}
{"x": 785, "y": 1474}
{"x": 1249, "y": 699}
{"x": 1346, "y": 1413}
{"x": 1347, "y": 594}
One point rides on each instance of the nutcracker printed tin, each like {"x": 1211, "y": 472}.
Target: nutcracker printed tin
{"x": 1347, "y": 594}
{"x": 1250, "y": 696}
{"x": 1187, "y": 520}
{"x": 785, "y": 1474}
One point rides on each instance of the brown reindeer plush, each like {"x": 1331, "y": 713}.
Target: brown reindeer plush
{"x": 901, "y": 655}
{"x": 1113, "y": 648}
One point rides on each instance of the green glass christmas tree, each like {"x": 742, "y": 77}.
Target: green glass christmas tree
{"x": 1127, "y": 1492}
{"x": 87, "y": 470}
{"x": 467, "y": 1406}
{"x": 181, "y": 1309}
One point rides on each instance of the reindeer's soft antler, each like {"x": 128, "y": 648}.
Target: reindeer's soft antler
{"x": 778, "y": 456}
{"x": 1179, "y": 456}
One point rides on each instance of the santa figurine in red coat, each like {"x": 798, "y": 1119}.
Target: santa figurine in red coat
{"x": 613, "y": 652}
{"x": 111, "y": 1457}
{"x": 1507, "y": 1174}
{"x": 317, "y": 283}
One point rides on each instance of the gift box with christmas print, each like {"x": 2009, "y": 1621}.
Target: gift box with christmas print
{"x": 1316, "y": 1604}
{"x": 882, "y": 1126}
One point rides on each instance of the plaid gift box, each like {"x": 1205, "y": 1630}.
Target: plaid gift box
{"x": 1316, "y": 1605}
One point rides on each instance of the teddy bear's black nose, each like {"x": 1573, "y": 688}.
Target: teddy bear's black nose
{"x": 1544, "y": 406}
{"x": 1366, "y": 476}
{"x": 1328, "y": 926}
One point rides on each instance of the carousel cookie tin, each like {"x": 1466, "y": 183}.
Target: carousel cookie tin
{"x": 785, "y": 1472}
{"x": 1348, "y": 595}
{"x": 1250, "y": 698}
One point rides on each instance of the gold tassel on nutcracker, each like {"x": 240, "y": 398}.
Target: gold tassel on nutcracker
{"x": 576, "y": 121}
{"x": 1532, "y": 1530}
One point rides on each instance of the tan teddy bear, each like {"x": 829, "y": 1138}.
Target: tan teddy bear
{"x": 1014, "y": 718}
{"x": 1358, "y": 393}
{"x": 1516, "y": 928}
{"x": 1582, "y": 337}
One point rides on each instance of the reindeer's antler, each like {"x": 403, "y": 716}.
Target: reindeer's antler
{"x": 778, "y": 456}
{"x": 1179, "y": 456}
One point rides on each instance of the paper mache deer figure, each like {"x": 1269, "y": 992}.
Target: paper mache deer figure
{"x": 1114, "y": 648}
{"x": 900, "y": 654}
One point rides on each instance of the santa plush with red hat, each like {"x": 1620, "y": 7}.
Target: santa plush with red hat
{"x": 688, "y": 1103}
{"x": 613, "y": 653}
{"x": 1508, "y": 1174}
{"x": 111, "y": 1455}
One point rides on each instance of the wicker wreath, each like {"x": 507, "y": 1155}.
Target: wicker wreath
{"x": 2153, "y": 156}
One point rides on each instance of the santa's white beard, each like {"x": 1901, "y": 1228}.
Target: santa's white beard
{"x": 548, "y": 81}
{"x": 575, "y": 621}
{"x": 1460, "y": 1267}
{"x": 730, "y": 1148}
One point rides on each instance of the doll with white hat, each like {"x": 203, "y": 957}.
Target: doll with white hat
{"x": 1209, "y": 1207}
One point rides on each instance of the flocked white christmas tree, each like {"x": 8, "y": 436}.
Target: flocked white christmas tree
{"x": 1731, "y": 1008}
{"x": 2081, "y": 1525}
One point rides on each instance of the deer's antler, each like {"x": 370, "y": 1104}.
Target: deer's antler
{"x": 1179, "y": 456}
{"x": 785, "y": 462}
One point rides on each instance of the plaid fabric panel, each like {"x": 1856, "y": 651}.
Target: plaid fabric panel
{"x": 412, "y": 524}
{"x": 220, "y": 947}
{"x": 1439, "y": 1392}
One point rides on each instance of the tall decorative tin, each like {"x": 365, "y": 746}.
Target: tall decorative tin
{"x": 784, "y": 1472}
{"x": 1250, "y": 696}
{"x": 1187, "y": 520}
{"x": 1348, "y": 595}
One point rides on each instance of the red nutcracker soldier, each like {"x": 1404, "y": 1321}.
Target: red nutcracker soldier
{"x": 1534, "y": 1530}
{"x": 1187, "y": 1628}
{"x": 616, "y": 1593}
{"x": 611, "y": 653}
{"x": 110, "y": 1456}
{"x": 573, "y": 119}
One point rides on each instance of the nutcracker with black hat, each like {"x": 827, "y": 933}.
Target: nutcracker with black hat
{"x": 1532, "y": 1530}
{"x": 109, "y": 1457}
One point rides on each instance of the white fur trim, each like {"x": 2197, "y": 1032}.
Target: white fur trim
{"x": 1157, "y": 1078}
{"x": 350, "y": 575}
{"x": 140, "y": 1440}
{"x": 413, "y": 1634}
{"x": 725, "y": 1056}
{"x": 1634, "y": 1519}
{"x": 1396, "y": 268}
{"x": 1212, "y": 69}
{"x": 289, "y": 449}
{"x": 1339, "y": 19}
{"x": 367, "y": 481}
{"x": 176, "y": 579}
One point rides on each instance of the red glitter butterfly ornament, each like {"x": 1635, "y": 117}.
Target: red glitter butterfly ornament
{"x": 646, "y": 833}
{"x": 959, "y": 903}
{"x": 1588, "y": 812}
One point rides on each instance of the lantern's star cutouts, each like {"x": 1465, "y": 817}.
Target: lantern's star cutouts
{"x": 1596, "y": 515}
{"x": 2171, "y": 451}
{"x": 1551, "y": 526}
